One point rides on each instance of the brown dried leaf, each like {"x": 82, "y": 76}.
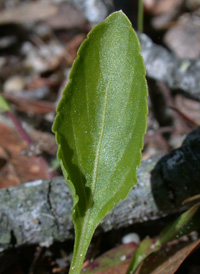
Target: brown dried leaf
{"x": 168, "y": 259}
{"x": 184, "y": 38}
{"x": 158, "y": 7}
{"x": 74, "y": 44}
{"x": 165, "y": 261}
{"x": 19, "y": 168}
{"x": 115, "y": 261}
{"x": 68, "y": 17}
{"x": 30, "y": 105}
{"x": 189, "y": 107}
{"x": 27, "y": 12}
{"x": 44, "y": 141}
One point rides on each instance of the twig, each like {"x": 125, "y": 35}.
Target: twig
{"x": 40, "y": 212}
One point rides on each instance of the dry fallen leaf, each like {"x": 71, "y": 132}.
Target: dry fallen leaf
{"x": 189, "y": 107}
{"x": 18, "y": 168}
{"x": 165, "y": 261}
{"x": 158, "y": 7}
{"x": 184, "y": 38}
{"x": 113, "y": 261}
{"x": 30, "y": 105}
{"x": 68, "y": 17}
{"x": 27, "y": 12}
{"x": 168, "y": 259}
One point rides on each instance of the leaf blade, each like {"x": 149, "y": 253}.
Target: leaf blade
{"x": 104, "y": 110}
{"x": 4, "y": 106}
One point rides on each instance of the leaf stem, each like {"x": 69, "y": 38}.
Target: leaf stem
{"x": 140, "y": 16}
{"x": 80, "y": 250}
{"x": 19, "y": 127}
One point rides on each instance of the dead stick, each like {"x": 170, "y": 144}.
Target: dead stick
{"x": 40, "y": 212}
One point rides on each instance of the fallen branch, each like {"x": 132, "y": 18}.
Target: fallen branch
{"x": 40, "y": 212}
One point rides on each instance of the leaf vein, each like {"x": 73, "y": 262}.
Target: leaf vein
{"x": 96, "y": 163}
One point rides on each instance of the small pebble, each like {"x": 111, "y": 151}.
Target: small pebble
{"x": 131, "y": 238}
{"x": 14, "y": 84}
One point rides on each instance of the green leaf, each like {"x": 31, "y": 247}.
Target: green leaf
{"x": 186, "y": 223}
{"x": 168, "y": 259}
{"x": 100, "y": 124}
{"x": 141, "y": 253}
{"x": 181, "y": 226}
{"x": 4, "y": 106}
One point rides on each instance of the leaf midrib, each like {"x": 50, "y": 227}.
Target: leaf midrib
{"x": 96, "y": 165}
{"x": 97, "y": 158}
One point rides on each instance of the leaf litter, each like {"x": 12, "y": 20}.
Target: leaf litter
{"x": 48, "y": 33}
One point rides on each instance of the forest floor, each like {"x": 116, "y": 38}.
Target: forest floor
{"x": 37, "y": 50}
